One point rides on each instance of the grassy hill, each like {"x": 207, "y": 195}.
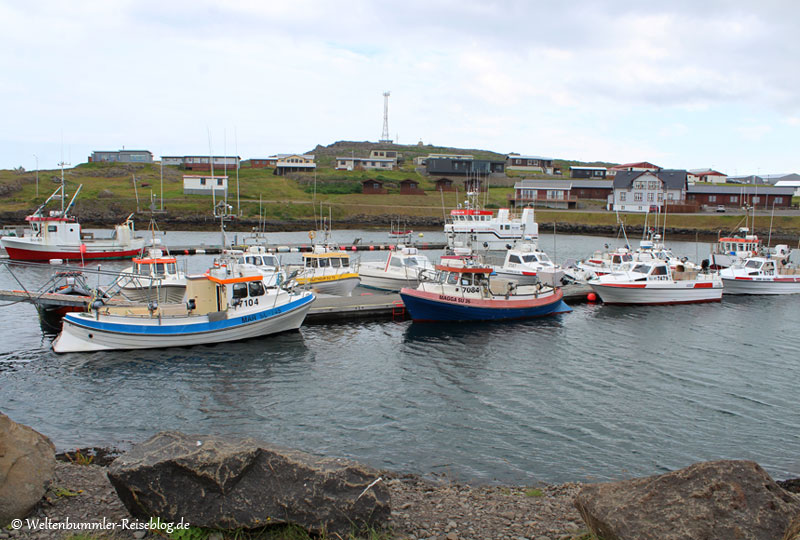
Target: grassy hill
{"x": 110, "y": 192}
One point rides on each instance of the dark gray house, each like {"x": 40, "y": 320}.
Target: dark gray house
{"x": 463, "y": 167}
{"x": 122, "y": 156}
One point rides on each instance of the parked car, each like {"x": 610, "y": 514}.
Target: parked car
{"x": 720, "y": 208}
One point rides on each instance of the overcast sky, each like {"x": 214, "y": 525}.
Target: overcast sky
{"x": 681, "y": 84}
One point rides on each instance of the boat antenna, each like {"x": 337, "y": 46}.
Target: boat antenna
{"x": 236, "y": 146}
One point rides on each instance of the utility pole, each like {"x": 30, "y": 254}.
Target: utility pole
{"x": 37, "y": 174}
{"x": 385, "y": 135}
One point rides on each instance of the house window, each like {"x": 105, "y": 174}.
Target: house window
{"x": 637, "y": 197}
{"x": 621, "y": 195}
{"x": 202, "y": 181}
{"x": 219, "y": 181}
{"x": 660, "y": 196}
{"x": 712, "y": 198}
{"x": 778, "y": 200}
{"x": 734, "y": 198}
{"x": 756, "y": 200}
{"x": 670, "y": 196}
{"x": 650, "y": 197}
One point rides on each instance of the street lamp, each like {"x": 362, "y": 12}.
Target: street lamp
{"x": 37, "y": 174}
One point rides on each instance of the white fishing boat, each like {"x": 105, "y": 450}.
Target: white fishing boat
{"x": 762, "y": 275}
{"x": 152, "y": 276}
{"x": 326, "y": 270}
{"x": 464, "y": 290}
{"x": 730, "y": 250}
{"x": 265, "y": 262}
{"x": 402, "y": 268}
{"x": 57, "y": 235}
{"x": 527, "y": 265}
{"x": 227, "y": 303}
{"x": 655, "y": 282}
{"x": 470, "y": 225}
{"x": 606, "y": 261}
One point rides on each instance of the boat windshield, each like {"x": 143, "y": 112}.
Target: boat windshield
{"x": 642, "y": 268}
{"x": 531, "y": 258}
{"x": 752, "y": 264}
{"x": 416, "y": 261}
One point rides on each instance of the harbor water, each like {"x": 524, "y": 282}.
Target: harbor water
{"x": 603, "y": 392}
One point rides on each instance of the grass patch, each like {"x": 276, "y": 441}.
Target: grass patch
{"x": 536, "y": 492}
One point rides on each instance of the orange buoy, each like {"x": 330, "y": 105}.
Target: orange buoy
{"x": 591, "y": 297}
{"x": 353, "y": 248}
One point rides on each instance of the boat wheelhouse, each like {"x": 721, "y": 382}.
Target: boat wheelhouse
{"x": 403, "y": 267}
{"x": 471, "y": 226}
{"x": 327, "y": 271}
{"x": 730, "y": 250}
{"x": 154, "y": 276}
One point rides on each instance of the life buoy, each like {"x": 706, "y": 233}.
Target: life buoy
{"x": 311, "y": 235}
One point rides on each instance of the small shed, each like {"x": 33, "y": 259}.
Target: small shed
{"x": 410, "y": 187}
{"x": 373, "y": 187}
{"x": 445, "y": 184}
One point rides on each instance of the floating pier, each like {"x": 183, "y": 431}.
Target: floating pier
{"x": 325, "y": 309}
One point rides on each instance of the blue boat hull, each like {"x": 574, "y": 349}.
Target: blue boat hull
{"x": 423, "y": 309}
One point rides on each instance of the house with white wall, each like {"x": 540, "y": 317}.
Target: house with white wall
{"x": 647, "y": 191}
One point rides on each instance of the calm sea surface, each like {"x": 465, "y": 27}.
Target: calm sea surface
{"x": 604, "y": 392}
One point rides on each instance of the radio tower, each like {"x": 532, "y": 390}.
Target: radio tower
{"x": 385, "y": 135}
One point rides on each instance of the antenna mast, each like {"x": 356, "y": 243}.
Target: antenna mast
{"x": 385, "y": 135}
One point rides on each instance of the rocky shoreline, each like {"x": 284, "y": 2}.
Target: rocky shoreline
{"x": 421, "y": 509}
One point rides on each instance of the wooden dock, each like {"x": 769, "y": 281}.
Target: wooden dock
{"x": 325, "y": 309}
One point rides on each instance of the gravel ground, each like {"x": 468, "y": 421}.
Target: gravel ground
{"x": 421, "y": 509}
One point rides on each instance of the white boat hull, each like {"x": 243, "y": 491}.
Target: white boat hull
{"x": 83, "y": 332}
{"x": 680, "y": 292}
{"x": 762, "y": 285}
{"x": 376, "y": 278}
{"x": 335, "y": 286}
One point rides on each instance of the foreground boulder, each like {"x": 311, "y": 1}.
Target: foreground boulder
{"x": 211, "y": 481}
{"x": 27, "y": 465}
{"x": 712, "y": 500}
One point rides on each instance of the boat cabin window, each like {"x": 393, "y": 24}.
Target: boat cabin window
{"x": 752, "y": 264}
{"x": 642, "y": 268}
{"x": 240, "y": 290}
{"x": 530, "y": 258}
{"x": 157, "y": 268}
{"x": 172, "y": 268}
{"x": 335, "y": 262}
{"x": 466, "y": 279}
{"x": 397, "y": 263}
{"x": 255, "y": 288}
{"x": 660, "y": 271}
{"x": 415, "y": 261}
{"x": 269, "y": 260}
{"x": 452, "y": 278}
{"x": 769, "y": 267}
{"x": 52, "y": 228}
{"x": 345, "y": 262}
{"x": 514, "y": 259}
{"x": 253, "y": 260}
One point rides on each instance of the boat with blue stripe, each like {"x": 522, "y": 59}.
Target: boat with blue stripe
{"x": 230, "y": 302}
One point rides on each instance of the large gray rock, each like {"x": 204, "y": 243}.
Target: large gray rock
{"x": 711, "y": 500}
{"x": 27, "y": 465}
{"x": 793, "y": 531}
{"x": 229, "y": 483}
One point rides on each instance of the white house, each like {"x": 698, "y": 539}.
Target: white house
{"x": 352, "y": 163}
{"x": 203, "y": 185}
{"x": 707, "y": 176}
{"x": 647, "y": 191}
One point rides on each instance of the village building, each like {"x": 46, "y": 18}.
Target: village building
{"x": 632, "y": 167}
{"x": 367, "y": 164}
{"x": 648, "y": 191}
{"x": 293, "y": 163}
{"x": 373, "y": 187}
{"x": 588, "y": 172}
{"x": 410, "y": 187}
{"x": 544, "y": 193}
{"x": 205, "y": 185}
{"x": 517, "y": 162}
{"x": 709, "y": 176}
{"x": 121, "y": 156}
